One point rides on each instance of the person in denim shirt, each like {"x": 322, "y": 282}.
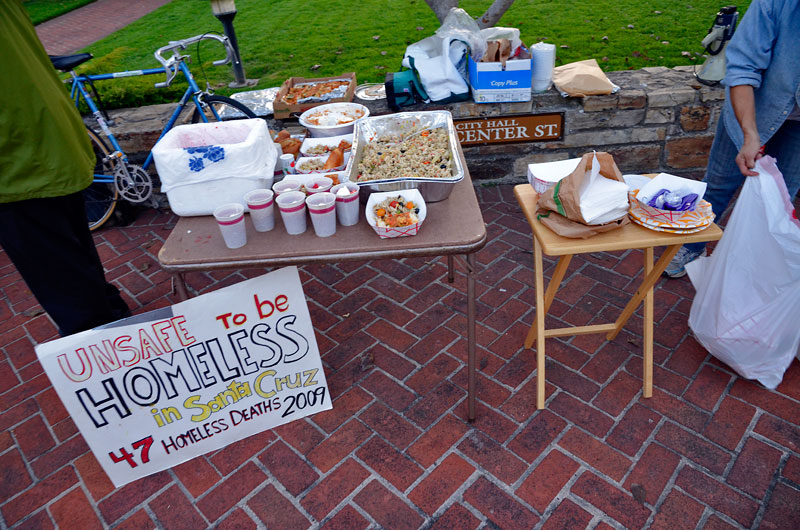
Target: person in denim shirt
{"x": 762, "y": 108}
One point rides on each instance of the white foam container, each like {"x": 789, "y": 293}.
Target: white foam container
{"x": 331, "y": 141}
{"x": 331, "y": 113}
{"x": 246, "y": 163}
{"x": 409, "y": 195}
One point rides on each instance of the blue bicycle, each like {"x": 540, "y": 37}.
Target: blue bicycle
{"x": 114, "y": 176}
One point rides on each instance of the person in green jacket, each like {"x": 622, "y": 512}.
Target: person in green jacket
{"x": 46, "y": 160}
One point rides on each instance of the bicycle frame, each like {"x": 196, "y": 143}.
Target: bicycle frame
{"x": 78, "y": 91}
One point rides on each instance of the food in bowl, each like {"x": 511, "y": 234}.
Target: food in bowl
{"x": 323, "y": 149}
{"x": 421, "y": 154}
{"x": 395, "y": 212}
{"x": 307, "y": 165}
{"x": 333, "y": 117}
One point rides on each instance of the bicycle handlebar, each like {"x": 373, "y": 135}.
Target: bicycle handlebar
{"x": 170, "y": 64}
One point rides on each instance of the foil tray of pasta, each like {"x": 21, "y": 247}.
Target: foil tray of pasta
{"x": 407, "y": 150}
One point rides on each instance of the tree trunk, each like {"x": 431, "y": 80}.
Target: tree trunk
{"x": 441, "y": 7}
{"x": 492, "y": 15}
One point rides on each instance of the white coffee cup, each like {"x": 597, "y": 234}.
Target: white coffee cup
{"x": 322, "y": 207}
{"x": 347, "y": 206}
{"x": 319, "y": 185}
{"x": 286, "y": 185}
{"x": 262, "y": 209}
{"x": 292, "y": 206}
{"x": 230, "y": 218}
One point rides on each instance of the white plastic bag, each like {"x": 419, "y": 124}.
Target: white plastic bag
{"x": 441, "y": 59}
{"x": 204, "y": 165}
{"x": 746, "y": 311}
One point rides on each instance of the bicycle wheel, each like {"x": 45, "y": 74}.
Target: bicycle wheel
{"x": 219, "y": 108}
{"x": 100, "y": 197}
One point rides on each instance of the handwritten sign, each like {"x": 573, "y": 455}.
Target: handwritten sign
{"x": 510, "y": 129}
{"x": 150, "y": 392}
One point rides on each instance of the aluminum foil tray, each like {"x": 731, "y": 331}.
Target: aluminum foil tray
{"x": 259, "y": 101}
{"x": 432, "y": 190}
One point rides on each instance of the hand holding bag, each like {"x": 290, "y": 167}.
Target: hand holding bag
{"x": 746, "y": 311}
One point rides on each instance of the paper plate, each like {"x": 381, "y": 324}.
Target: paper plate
{"x": 651, "y": 217}
{"x": 672, "y": 230}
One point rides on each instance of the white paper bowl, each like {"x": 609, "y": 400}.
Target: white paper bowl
{"x": 331, "y": 142}
{"x": 409, "y": 195}
{"x": 322, "y": 121}
{"x": 303, "y": 160}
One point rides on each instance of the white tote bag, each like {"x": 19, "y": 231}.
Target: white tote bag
{"x": 746, "y": 311}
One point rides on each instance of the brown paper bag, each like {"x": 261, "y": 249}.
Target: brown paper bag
{"x": 559, "y": 207}
{"x": 584, "y": 78}
{"x": 497, "y": 51}
{"x": 492, "y": 47}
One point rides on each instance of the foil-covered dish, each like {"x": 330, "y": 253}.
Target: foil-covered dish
{"x": 406, "y": 150}
{"x": 317, "y": 91}
{"x": 259, "y": 101}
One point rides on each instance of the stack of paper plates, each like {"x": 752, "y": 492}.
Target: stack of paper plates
{"x": 671, "y": 221}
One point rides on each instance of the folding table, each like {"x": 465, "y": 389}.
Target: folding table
{"x": 454, "y": 227}
{"x": 630, "y": 236}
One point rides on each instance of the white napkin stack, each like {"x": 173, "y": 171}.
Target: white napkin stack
{"x": 602, "y": 200}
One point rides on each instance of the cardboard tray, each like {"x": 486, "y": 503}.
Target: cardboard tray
{"x": 283, "y": 110}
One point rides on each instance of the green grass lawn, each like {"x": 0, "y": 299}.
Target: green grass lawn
{"x": 43, "y": 10}
{"x": 314, "y": 38}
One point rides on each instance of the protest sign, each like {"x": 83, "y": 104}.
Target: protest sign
{"x": 150, "y": 392}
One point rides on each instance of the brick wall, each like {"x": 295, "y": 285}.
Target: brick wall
{"x": 661, "y": 119}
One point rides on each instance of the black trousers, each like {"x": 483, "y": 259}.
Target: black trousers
{"x": 49, "y": 242}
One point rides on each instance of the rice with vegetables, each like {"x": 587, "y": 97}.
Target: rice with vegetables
{"x": 395, "y": 212}
{"x": 425, "y": 154}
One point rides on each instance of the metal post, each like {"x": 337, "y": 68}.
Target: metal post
{"x": 225, "y": 11}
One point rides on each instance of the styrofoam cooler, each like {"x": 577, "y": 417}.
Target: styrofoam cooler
{"x": 204, "y": 165}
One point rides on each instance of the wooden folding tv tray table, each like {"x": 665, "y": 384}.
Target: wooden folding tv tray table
{"x": 630, "y": 236}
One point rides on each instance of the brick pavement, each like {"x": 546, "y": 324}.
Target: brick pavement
{"x": 79, "y": 28}
{"x": 709, "y": 450}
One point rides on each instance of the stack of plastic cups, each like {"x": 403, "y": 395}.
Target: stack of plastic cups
{"x": 544, "y": 59}
{"x": 292, "y": 205}
{"x": 322, "y": 207}
{"x": 346, "y": 203}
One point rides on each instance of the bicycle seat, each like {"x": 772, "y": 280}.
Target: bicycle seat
{"x": 65, "y": 63}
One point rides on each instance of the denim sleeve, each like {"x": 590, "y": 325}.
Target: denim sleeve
{"x": 749, "y": 52}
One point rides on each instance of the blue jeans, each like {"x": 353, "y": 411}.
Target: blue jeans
{"x": 724, "y": 178}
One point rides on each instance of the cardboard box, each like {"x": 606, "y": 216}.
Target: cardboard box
{"x": 490, "y": 83}
{"x": 283, "y": 110}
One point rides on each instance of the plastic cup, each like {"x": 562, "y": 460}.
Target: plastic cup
{"x": 262, "y": 209}
{"x": 287, "y": 163}
{"x": 230, "y": 218}
{"x": 292, "y": 206}
{"x": 322, "y": 207}
{"x": 285, "y": 186}
{"x": 346, "y": 203}
{"x": 319, "y": 185}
